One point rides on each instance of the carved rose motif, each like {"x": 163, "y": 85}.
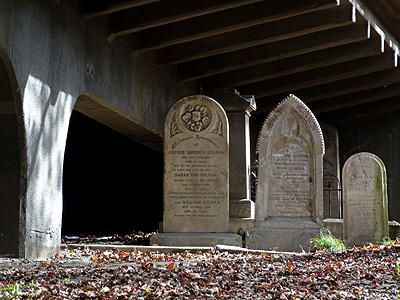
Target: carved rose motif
{"x": 196, "y": 117}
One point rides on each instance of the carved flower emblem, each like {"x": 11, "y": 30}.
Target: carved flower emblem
{"x": 196, "y": 117}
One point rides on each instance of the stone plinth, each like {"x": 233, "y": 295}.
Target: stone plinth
{"x": 196, "y": 239}
{"x": 365, "y": 207}
{"x": 335, "y": 226}
{"x": 289, "y": 190}
{"x": 280, "y": 239}
{"x": 238, "y": 109}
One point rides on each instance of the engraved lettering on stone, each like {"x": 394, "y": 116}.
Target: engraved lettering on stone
{"x": 196, "y": 168}
{"x": 290, "y": 191}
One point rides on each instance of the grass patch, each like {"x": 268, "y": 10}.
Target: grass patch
{"x": 325, "y": 241}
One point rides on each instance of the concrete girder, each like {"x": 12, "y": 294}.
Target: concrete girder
{"x": 106, "y": 8}
{"x": 233, "y": 20}
{"x": 356, "y": 98}
{"x": 336, "y": 89}
{"x": 376, "y": 109}
{"x": 292, "y": 65}
{"x": 321, "y": 40}
{"x": 320, "y": 76}
{"x": 159, "y": 14}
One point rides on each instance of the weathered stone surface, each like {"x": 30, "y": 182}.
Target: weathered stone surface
{"x": 196, "y": 239}
{"x": 332, "y": 186}
{"x": 335, "y": 226}
{"x": 290, "y": 150}
{"x": 196, "y": 167}
{"x": 394, "y": 230}
{"x": 289, "y": 190}
{"x": 238, "y": 109}
{"x": 280, "y": 239}
{"x": 365, "y": 207}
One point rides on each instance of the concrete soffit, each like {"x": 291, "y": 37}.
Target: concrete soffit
{"x": 375, "y": 23}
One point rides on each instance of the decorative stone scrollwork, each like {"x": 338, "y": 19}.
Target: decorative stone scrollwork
{"x": 173, "y": 126}
{"x": 196, "y": 117}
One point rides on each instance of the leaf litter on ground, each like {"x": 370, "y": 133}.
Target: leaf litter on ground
{"x": 369, "y": 272}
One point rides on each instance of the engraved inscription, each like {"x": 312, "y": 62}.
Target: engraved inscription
{"x": 290, "y": 172}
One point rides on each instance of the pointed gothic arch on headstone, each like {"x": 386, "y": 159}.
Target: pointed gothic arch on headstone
{"x": 290, "y": 139}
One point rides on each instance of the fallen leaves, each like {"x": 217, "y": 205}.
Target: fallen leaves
{"x": 370, "y": 272}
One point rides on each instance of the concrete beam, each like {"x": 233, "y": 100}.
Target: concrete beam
{"x": 384, "y": 15}
{"x": 236, "y": 40}
{"x": 320, "y": 76}
{"x": 271, "y": 52}
{"x": 364, "y": 111}
{"x": 106, "y": 8}
{"x": 159, "y": 14}
{"x": 354, "y": 99}
{"x": 336, "y": 89}
{"x": 114, "y": 118}
{"x": 221, "y": 23}
{"x": 297, "y": 64}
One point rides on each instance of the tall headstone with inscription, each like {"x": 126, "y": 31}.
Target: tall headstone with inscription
{"x": 289, "y": 200}
{"x": 238, "y": 108}
{"x": 196, "y": 173}
{"x": 332, "y": 184}
{"x": 365, "y": 204}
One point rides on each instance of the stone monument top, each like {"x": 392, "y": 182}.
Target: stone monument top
{"x": 289, "y": 195}
{"x": 196, "y": 161}
{"x": 290, "y": 148}
{"x": 365, "y": 207}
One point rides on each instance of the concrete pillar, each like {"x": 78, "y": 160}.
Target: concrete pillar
{"x": 238, "y": 109}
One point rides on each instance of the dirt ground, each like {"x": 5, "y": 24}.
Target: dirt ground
{"x": 80, "y": 272}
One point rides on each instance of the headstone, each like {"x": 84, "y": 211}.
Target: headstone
{"x": 289, "y": 200}
{"x": 196, "y": 160}
{"x": 365, "y": 205}
{"x": 332, "y": 185}
{"x": 238, "y": 109}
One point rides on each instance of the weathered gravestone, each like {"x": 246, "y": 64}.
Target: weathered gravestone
{"x": 365, "y": 207}
{"x": 289, "y": 201}
{"x": 332, "y": 186}
{"x": 238, "y": 109}
{"x": 196, "y": 160}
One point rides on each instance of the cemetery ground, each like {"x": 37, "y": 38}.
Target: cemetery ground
{"x": 368, "y": 272}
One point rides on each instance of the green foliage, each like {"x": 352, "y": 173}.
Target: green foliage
{"x": 325, "y": 241}
{"x": 387, "y": 241}
{"x": 11, "y": 291}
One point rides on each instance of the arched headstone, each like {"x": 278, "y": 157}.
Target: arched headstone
{"x": 289, "y": 200}
{"x": 365, "y": 204}
{"x": 196, "y": 175}
{"x": 196, "y": 161}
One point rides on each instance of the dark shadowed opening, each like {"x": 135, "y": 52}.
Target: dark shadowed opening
{"x": 111, "y": 184}
{"x": 12, "y": 223}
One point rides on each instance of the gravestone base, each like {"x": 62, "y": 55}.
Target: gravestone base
{"x": 335, "y": 226}
{"x": 196, "y": 239}
{"x": 394, "y": 230}
{"x": 243, "y": 208}
{"x": 240, "y": 224}
{"x": 284, "y": 234}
